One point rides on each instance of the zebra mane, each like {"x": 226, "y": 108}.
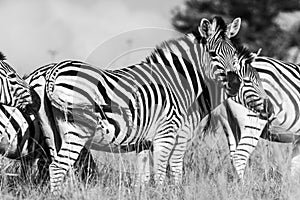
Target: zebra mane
{"x": 40, "y": 71}
{"x": 221, "y": 25}
{"x": 242, "y": 51}
{"x": 25, "y": 76}
{"x": 2, "y": 56}
{"x": 152, "y": 55}
{"x": 245, "y": 54}
{"x": 166, "y": 45}
{"x": 193, "y": 35}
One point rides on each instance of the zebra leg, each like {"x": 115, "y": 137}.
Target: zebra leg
{"x": 295, "y": 162}
{"x": 43, "y": 169}
{"x": 47, "y": 122}
{"x": 250, "y": 134}
{"x": 26, "y": 166}
{"x": 247, "y": 129}
{"x": 85, "y": 165}
{"x": 176, "y": 158}
{"x": 223, "y": 115}
{"x": 65, "y": 159}
{"x": 144, "y": 163}
{"x": 162, "y": 148}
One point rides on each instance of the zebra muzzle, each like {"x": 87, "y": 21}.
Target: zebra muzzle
{"x": 268, "y": 109}
{"x": 233, "y": 83}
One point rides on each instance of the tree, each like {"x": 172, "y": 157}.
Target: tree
{"x": 259, "y": 29}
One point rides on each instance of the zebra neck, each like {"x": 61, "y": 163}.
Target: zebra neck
{"x": 182, "y": 63}
{"x": 6, "y": 98}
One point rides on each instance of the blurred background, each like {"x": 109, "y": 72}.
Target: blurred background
{"x": 36, "y": 32}
{"x": 272, "y": 25}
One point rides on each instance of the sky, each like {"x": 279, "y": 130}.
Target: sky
{"x": 104, "y": 33}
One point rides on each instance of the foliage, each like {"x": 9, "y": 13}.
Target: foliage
{"x": 259, "y": 29}
{"x": 208, "y": 176}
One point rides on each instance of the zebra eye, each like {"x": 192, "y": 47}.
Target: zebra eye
{"x": 12, "y": 75}
{"x": 212, "y": 53}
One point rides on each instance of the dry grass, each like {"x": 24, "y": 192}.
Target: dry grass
{"x": 208, "y": 175}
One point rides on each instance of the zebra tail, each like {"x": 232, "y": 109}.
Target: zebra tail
{"x": 59, "y": 103}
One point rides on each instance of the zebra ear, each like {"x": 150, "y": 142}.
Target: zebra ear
{"x": 233, "y": 28}
{"x": 205, "y": 28}
{"x": 254, "y": 55}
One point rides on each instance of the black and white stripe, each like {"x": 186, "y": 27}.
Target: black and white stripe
{"x": 251, "y": 100}
{"x": 14, "y": 91}
{"x": 21, "y": 137}
{"x": 281, "y": 82}
{"x": 107, "y": 110}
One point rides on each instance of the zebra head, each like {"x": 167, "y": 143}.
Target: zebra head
{"x": 252, "y": 94}
{"x": 222, "y": 54}
{"x": 14, "y": 91}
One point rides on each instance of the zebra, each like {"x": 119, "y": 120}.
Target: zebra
{"x": 20, "y": 135}
{"x": 27, "y": 140}
{"x": 251, "y": 99}
{"x": 242, "y": 128}
{"x": 21, "y": 138}
{"x": 14, "y": 91}
{"x": 107, "y": 109}
{"x": 280, "y": 80}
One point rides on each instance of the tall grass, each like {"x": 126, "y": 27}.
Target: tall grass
{"x": 208, "y": 174}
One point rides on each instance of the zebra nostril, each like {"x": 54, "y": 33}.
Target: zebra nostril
{"x": 268, "y": 109}
{"x": 234, "y": 83}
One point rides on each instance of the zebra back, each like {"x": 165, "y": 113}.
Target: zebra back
{"x": 14, "y": 91}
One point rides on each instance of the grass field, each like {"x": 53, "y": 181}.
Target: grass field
{"x": 208, "y": 176}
